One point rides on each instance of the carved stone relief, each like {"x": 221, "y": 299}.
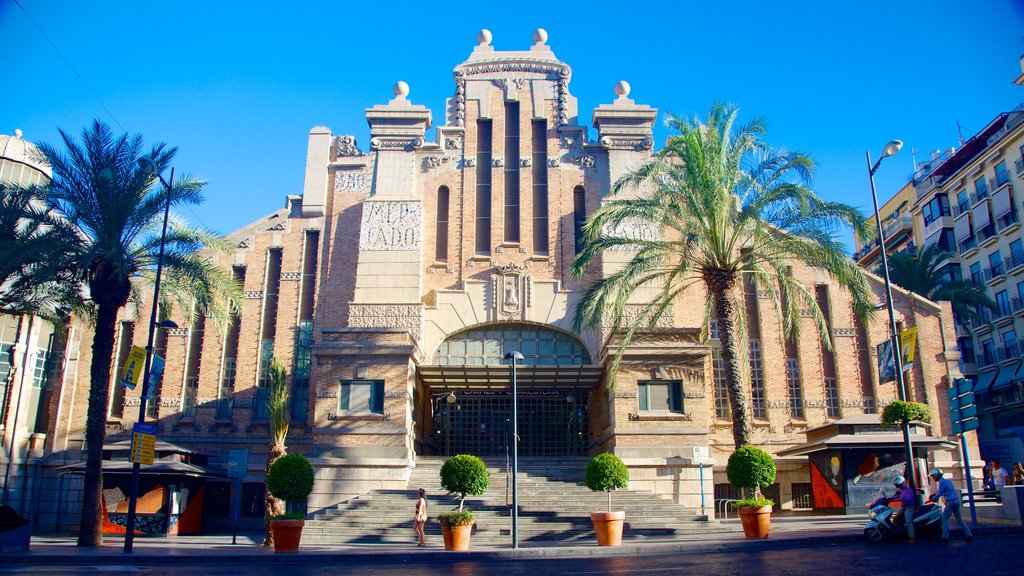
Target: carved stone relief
{"x": 632, "y": 229}
{"x": 291, "y": 276}
{"x": 350, "y": 181}
{"x": 392, "y": 225}
{"x": 408, "y": 316}
{"x": 346, "y": 146}
{"x": 621, "y": 143}
{"x": 586, "y": 161}
{"x": 553, "y": 162}
{"x": 509, "y": 290}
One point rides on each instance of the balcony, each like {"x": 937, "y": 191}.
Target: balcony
{"x": 961, "y": 209}
{"x": 1013, "y": 261}
{"x": 967, "y": 246}
{"x": 977, "y": 196}
{"x": 1011, "y": 352}
{"x": 995, "y": 274}
{"x": 986, "y": 235}
{"x": 935, "y": 225}
{"x": 1019, "y": 165}
{"x": 996, "y": 183}
{"x": 978, "y": 277}
{"x": 985, "y": 358}
{"x": 1008, "y": 223}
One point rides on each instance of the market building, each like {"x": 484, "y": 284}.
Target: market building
{"x": 394, "y": 285}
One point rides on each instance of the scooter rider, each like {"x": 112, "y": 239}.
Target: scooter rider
{"x": 908, "y": 505}
{"x": 947, "y": 491}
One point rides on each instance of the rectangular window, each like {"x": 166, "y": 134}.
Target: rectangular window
{"x": 1002, "y": 174}
{"x": 966, "y": 346}
{"x": 722, "y": 408}
{"x": 271, "y": 288}
{"x": 832, "y": 397}
{"x": 261, "y": 406}
{"x": 995, "y": 261}
{"x": 1016, "y": 253}
{"x": 512, "y": 172}
{"x": 579, "y": 215}
{"x": 300, "y": 375}
{"x": 117, "y": 393}
{"x": 483, "y": 187}
{"x": 962, "y": 203}
{"x": 796, "y": 392}
{"x": 980, "y": 188}
{"x": 8, "y": 334}
{"x": 190, "y": 390}
{"x": 441, "y": 242}
{"x": 976, "y": 272}
{"x": 1003, "y": 303}
{"x": 362, "y": 396}
{"x": 229, "y": 363}
{"x": 803, "y": 496}
{"x": 540, "y": 187}
{"x": 658, "y": 396}
{"x": 988, "y": 352}
{"x": 757, "y": 391}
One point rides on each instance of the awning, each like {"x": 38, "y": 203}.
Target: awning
{"x": 499, "y": 377}
{"x": 872, "y": 441}
{"x": 984, "y": 381}
{"x": 1006, "y": 375}
{"x": 169, "y": 467}
{"x": 160, "y": 446}
{"x": 1019, "y": 377}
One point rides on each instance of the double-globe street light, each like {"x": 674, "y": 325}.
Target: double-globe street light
{"x": 149, "y": 168}
{"x": 512, "y": 357}
{"x": 897, "y": 354}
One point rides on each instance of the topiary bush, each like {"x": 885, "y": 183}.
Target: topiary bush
{"x": 290, "y": 478}
{"x": 751, "y": 468}
{"x": 899, "y": 412}
{"x": 465, "y": 475}
{"x": 605, "y": 473}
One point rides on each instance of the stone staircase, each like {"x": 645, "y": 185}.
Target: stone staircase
{"x": 554, "y": 506}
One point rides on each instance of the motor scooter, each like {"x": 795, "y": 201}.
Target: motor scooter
{"x": 927, "y": 522}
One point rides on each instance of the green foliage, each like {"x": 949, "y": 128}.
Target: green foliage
{"x": 605, "y": 473}
{"x": 750, "y": 468}
{"x": 290, "y": 478}
{"x": 455, "y": 518}
{"x": 899, "y": 412}
{"x": 278, "y": 402}
{"x": 287, "y": 516}
{"x": 757, "y": 502}
{"x": 465, "y": 475}
{"x": 920, "y": 272}
{"x": 728, "y": 207}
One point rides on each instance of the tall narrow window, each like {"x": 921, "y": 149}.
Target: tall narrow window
{"x": 579, "y": 215}
{"x": 483, "y": 187}
{"x": 304, "y": 331}
{"x": 229, "y": 366}
{"x": 540, "y": 187}
{"x": 261, "y": 411}
{"x": 8, "y": 335}
{"x": 828, "y": 357}
{"x": 512, "y": 172}
{"x": 441, "y": 243}
{"x": 117, "y": 394}
{"x": 190, "y": 391}
{"x": 722, "y": 408}
{"x": 796, "y": 393}
{"x": 47, "y": 372}
{"x": 864, "y": 364}
{"x": 757, "y": 392}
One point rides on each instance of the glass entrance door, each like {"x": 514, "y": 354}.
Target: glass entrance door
{"x": 480, "y": 423}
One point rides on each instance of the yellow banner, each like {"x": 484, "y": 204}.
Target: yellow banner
{"x": 908, "y": 345}
{"x": 133, "y": 366}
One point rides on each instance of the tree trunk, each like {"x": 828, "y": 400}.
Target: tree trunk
{"x": 742, "y": 431}
{"x": 273, "y": 505}
{"x": 90, "y": 527}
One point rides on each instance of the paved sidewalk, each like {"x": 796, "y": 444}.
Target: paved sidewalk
{"x": 794, "y": 532}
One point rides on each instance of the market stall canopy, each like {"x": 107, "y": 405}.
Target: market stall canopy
{"x": 166, "y": 467}
{"x": 865, "y": 431}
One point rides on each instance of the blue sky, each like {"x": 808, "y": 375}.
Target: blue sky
{"x": 237, "y": 86}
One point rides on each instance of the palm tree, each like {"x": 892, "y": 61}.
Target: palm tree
{"x": 115, "y": 210}
{"x": 919, "y": 273}
{"x": 727, "y": 206}
{"x": 279, "y": 420}
{"x": 35, "y": 272}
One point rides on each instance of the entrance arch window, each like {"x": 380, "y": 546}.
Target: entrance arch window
{"x": 661, "y": 396}
{"x": 484, "y": 346}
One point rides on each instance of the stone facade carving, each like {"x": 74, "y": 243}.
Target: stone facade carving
{"x": 844, "y": 332}
{"x": 278, "y": 227}
{"x": 346, "y": 146}
{"x": 498, "y": 162}
{"x": 586, "y": 161}
{"x": 632, "y": 229}
{"x": 563, "y": 97}
{"x": 509, "y": 290}
{"x": 291, "y": 276}
{"x": 253, "y": 294}
{"x": 469, "y": 162}
{"x": 326, "y": 394}
{"x": 621, "y": 143}
{"x": 381, "y": 143}
{"x": 460, "y": 98}
{"x": 184, "y": 331}
{"x": 452, "y": 144}
{"x": 553, "y": 162}
{"x": 396, "y": 394}
{"x": 625, "y": 394}
{"x": 350, "y": 181}
{"x": 391, "y": 225}
{"x": 434, "y": 162}
{"x": 246, "y": 243}
{"x": 409, "y": 316}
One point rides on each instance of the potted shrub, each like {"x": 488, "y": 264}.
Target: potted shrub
{"x": 750, "y": 469}
{"x": 605, "y": 473}
{"x": 290, "y": 479}
{"x": 464, "y": 475}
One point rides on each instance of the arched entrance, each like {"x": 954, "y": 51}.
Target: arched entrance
{"x": 466, "y": 393}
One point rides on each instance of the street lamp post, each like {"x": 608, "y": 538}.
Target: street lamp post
{"x": 890, "y": 150}
{"x": 512, "y": 357}
{"x": 148, "y": 167}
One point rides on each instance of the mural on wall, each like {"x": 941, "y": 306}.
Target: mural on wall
{"x": 870, "y": 474}
{"x": 827, "y": 484}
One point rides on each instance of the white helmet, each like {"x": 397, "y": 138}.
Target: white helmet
{"x": 899, "y": 481}
{"x": 936, "y": 472}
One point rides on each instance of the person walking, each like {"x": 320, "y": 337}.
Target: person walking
{"x": 948, "y": 492}
{"x": 421, "y": 517}
{"x": 999, "y": 475}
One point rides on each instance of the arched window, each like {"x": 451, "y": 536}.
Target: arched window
{"x": 441, "y": 245}
{"x": 540, "y": 187}
{"x": 487, "y": 345}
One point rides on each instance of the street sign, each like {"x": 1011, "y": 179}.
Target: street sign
{"x": 133, "y": 367}
{"x": 701, "y": 455}
{"x": 960, "y": 428}
{"x": 143, "y": 443}
{"x": 238, "y": 463}
{"x": 963, "y": 412}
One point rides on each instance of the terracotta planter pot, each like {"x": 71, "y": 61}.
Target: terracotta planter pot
{"x": 608, "y": 527}
{"x": 757, "y": 522}
{"x": 287, "y": 534}
{"x": 456, "y": 537}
